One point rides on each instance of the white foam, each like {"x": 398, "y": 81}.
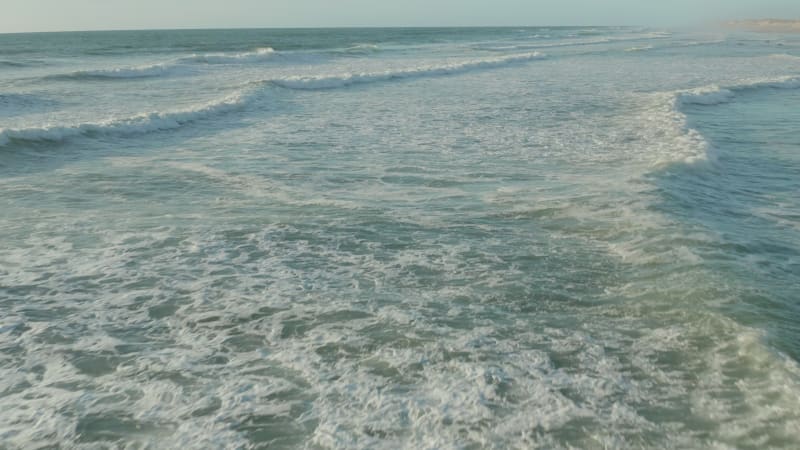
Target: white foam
{"x": 715, "y": 95}
{"x": 347, "y": 79}
{"x": 531, "y": 46}
{"x": 260, "y": 54}
{"x": 785, "y": 56}
{"x": 398, "y": 374}
{"x": 155, "y": 70}
{"x": 359, "y": 49}
{"x": 138, "y": 124}
{"x": 787, "y": 82}
{"x": 712, "y": 95}
{"x": 665, "y": 129}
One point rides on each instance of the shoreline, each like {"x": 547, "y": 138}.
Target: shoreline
{"x": 765, "y": 25}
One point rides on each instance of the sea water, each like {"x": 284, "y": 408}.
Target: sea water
{"x": 400, "y": 238}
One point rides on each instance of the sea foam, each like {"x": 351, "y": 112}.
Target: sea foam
{"x": 713, "y": 95}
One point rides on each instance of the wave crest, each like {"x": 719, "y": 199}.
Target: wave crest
{"x": 712, "y": 95}
{"x": 138, "y": 124}
{"x": 155, "y": 70}
{"x": 176, "y": 67}
{"x": 674, "y": 139}
{"x": 260, "y": 54}
{"x": 715, "y": 95}
{"x": 347, "y": 79}
{"x": 639, "y": 49}
{"x": 361, "y": 49}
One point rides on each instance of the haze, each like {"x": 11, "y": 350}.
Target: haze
{"x": 53, "y": 15}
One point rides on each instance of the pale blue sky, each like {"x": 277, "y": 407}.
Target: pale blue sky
{"x": 47, "y": 15}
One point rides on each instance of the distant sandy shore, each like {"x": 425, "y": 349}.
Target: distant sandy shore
{"x": 766, "y": 25}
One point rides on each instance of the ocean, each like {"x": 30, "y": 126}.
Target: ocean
{"x": 458, "y": 238}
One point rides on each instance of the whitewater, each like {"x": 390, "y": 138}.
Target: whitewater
{"x": 558, "y": 237}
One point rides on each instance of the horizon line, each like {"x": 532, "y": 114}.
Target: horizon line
{"x": 340, "y": 27}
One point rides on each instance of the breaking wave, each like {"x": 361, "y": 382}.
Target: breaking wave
{"x": 714, "y": 95}
{"x": 673, "y": 139}
{"x": 138, "y": 124}
{"x": 155, "y": 70}
{"x": 639, "y": 49}
{"x": 361, "y": 49}
{"x": 571, "y": 43}
{"x": 347, "y": 79}
{"x": 260, "y": 54}
{"x": 159, "y": 121}
{"x": 179, "y": 66}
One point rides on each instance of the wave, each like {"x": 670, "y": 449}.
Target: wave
{"x": 570, "y": 43}
{"x": 347, "y": 79}
{"x": 667, "y": 126}
{"x": 715, "y": 95}
{"x": 138, "y": 124}
{"x": 701, "y": 43}
{"x": 533, "y": 46}
{"x": 639, "y": 49}
{"x": 361, "y": 49}
{"x": 669, "y": 133}
{"x": 155, "y": 70}
{"x": 176, "y": 67}
{"x": 785, "y": 56}
{"x": 712, "y": 95}
{"x": 159, "y": 121}
{"x": 260, "y": 54}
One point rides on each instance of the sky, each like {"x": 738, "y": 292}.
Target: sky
{"x": 58, "y": 15}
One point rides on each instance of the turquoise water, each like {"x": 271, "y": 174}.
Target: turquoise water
{"x": 409, "y": 238}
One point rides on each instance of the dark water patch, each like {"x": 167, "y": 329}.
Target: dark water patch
{"x": 743, "y": 200}
{"x": 11, "y": 64}
{"x": 16, "y": 104}
{"x": 108, "y": 428}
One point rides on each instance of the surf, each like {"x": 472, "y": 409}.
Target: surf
{"x": 177, "y": 67}
{"x": 714, "y": 95}
{"x": 134, "y": 125}
{"x": 123, "y": 73}
{"x": 258, "y": 55}
{"x": 348, "y": 79}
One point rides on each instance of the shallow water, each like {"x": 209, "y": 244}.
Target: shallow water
{"x": 420, "y": 238}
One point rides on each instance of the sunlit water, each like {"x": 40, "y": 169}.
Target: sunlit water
{"x": 422, "y": 238}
